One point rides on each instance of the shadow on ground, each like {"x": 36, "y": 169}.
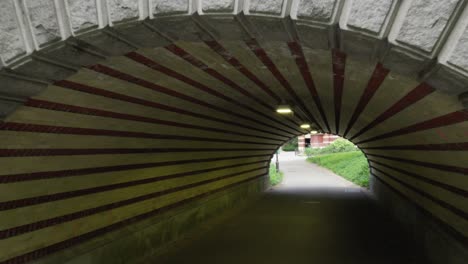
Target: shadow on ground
{"x": 314, "y": 217}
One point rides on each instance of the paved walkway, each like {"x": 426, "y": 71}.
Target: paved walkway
{"x": 302, "y": 174}
{"x": 313, "y": 217}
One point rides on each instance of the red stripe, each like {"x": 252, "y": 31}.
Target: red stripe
{"x": 42, "y": 252}
{"x": 378, "y": 76}
{"x": 339, "y": 63}
{"x": 441, "y": 121}
{"x": 23, "y": 127}
{"x": 409, "y": 99}
{"x": 424, "y": 179}
{"x": 158, "y": 67}
{"x": 296, "y": 51}
{"x": 9, "y": 205}
{"x": 157, "y": 88}
{"x": 201, "y": 87}
{"x": 265, "y": 59}
{"x": 425, "y": 164}
{"x": 462, "y": 146}
{"x": 197, "y": 63}
{"x": 220, "y": 50}
{"x": 85, "y": 151}
{"x": 79, "y": 172}
{"x": 18, "y": 230}
{"x": 96, "y": 112}
{"x": 134, "y": 100}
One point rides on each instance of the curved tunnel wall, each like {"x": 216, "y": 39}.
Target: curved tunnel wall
{"x": 107, "y": 127}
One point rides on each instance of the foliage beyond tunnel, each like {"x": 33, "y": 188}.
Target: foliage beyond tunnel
{"x": 291, "y": 145}
{"x": 276, "y": 177}
{"x": 352, "y": 166}
{"x": 339, "y": 145}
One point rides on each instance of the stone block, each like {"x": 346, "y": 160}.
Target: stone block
{"x": 44, "y": 21}
{"x": 269, "y": 7}
{"x": 169, "y": 7}
{"x": 369, "y": 15}
{"x": 83, "y": 14}
{"x": 121, "y": 10}
{"x": 218, "y": 6}
{"x": 321, "y": 10}
{"x": 425, "y": 22}
{"x": 11, "y": 39}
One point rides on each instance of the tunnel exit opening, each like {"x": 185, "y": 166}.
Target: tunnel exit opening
{"x": 328, "y": 151}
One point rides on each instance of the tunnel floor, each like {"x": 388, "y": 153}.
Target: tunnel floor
{"x": 314, "y": 216}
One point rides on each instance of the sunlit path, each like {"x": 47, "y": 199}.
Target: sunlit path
{"x": 302, "y": 174}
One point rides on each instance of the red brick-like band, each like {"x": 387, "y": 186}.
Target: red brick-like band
{"x": 440, "y": 121}
{"x": 201, "y": 87}
{"x": 45, "y": 251}
{"x": 415, "y": 95}
{"x": 376, "y": 80}
{"x": 31, "y": 176}
{"x": 35, "y": 128}
{"x": 339, "y": 64}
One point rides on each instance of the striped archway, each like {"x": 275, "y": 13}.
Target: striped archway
{"x": 108, "y": 130}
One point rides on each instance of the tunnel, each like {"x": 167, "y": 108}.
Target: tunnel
{"x": 124, "y": 123}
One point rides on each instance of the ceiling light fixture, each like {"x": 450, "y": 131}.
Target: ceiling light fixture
{"x": 284, "y": 109}
{"x": 305, "y": 126}
{"x": 314, "y": 132}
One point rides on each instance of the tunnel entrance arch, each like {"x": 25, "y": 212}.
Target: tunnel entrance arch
{"x": 166, "y": 103}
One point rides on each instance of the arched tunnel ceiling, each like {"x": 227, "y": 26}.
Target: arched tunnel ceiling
{"x": 113, "y": 124}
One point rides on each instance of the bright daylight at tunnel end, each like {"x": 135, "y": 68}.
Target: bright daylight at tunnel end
{"x": 126, "y": 124}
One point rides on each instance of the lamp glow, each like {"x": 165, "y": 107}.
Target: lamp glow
{"x": 284, "y": 109}
{"x": 313, "y": 132}
{"x": 305, "y": 126}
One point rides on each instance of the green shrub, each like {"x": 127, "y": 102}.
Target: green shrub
{"x": 337, "y": 146}
{"x": 312, "y": 151}
{"x": 291, "y": 145}
{"x": 352, "y": 166}
{"x": 275, "y": 177}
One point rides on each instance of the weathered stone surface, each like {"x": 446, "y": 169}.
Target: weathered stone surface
{"x": 170, "y": 6}
{"x": 218, "y": 5}
{"x": 369, "y": 14}
{"x": 460, "y": 54}
{"x": 425, "y": 22}
{"x": 123, "y": 9}
{"x": 321, "y": 10}
{"x": 83, "y": 14}
{"x": 44, "y": 20}
{"x": 266, "y": 6}
{"x": 448, "y": 81}
{"x": 11, "y": 41}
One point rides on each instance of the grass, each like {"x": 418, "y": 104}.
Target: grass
{"x": 350, "y": 165}
{"x": 275, "y": 177}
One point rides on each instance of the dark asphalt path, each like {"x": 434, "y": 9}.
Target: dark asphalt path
{"x": 301, "y": 223}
